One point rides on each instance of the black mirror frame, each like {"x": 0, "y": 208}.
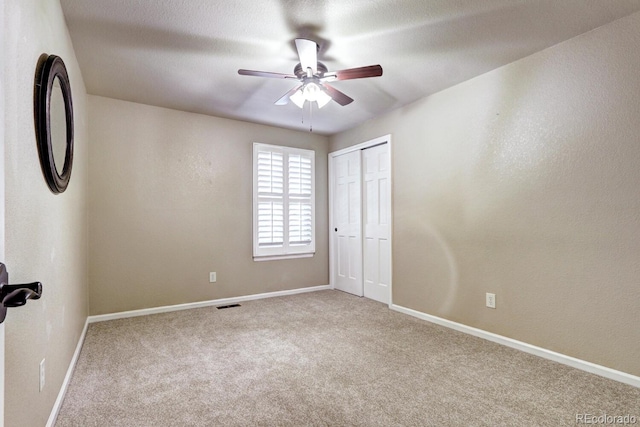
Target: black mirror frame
{"x": 49, "y": 67}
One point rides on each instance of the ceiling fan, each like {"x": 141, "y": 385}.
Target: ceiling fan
{"x": 314, "y": 78}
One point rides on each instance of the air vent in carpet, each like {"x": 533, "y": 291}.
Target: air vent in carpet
{"x": 220, "y": 307}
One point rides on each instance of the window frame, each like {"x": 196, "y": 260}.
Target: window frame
{"x": 287, "y": 250}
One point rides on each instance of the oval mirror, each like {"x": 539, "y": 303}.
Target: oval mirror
{"x": 58, "y": 123}
{"x": 54, "y": 122}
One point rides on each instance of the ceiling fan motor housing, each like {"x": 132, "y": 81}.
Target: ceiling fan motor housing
{"x": 301, "y": 74}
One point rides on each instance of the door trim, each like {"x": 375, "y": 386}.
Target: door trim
{"x": 331, "y": 157}
{"x": 2, "y": 200}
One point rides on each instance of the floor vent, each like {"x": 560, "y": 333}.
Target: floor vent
{"x": 220, "y": 307}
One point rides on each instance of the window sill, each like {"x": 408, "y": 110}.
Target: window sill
{"x": 280, "y": 257}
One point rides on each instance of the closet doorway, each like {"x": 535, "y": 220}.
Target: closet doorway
{"x": 360, "y": 219}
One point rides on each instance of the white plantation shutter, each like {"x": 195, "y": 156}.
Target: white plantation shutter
{"x": 270, "y": 173}
{"x": 300, "y": 198}
{"x": 270, "y": 176}
{"x": 300, "y": 225}
{"x": 283, "y": 202}
{"x": 299, "y": 175}
{"x": 270, "y": 224}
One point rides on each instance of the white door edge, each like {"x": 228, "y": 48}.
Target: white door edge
{"x": 2, "y": 201}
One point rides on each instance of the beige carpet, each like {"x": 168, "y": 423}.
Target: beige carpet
{"x": 320, "y": 359}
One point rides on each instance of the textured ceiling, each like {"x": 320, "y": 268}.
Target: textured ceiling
{"x": 184, "y": 54}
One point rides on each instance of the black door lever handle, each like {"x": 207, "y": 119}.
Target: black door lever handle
{"x": 17, "y": 295}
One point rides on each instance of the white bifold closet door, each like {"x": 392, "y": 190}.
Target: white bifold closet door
{"x": 348, "y": 224}
{"x": 376, "y": 216}
{"x": 361, "y": 205}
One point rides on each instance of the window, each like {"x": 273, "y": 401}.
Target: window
{"x": 283, "y": 202}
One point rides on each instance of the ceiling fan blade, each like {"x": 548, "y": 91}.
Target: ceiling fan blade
{"x": 308, "y": 53}
{"x": 353, "y": 73}
{"x": 337, "y": 96}
{"x": 266, "y": 74}
{"x": 285, "y": 98}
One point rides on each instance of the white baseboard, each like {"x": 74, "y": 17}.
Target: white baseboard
{"x": 583, "y": 365}
{"x": 222, "y": 301}
{"x": 67, "y": 378}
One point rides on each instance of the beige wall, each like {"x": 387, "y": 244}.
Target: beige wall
{"x": 46, "y": 234}
{"x": 170, "y": 201}
{"x": 525, "y": 182}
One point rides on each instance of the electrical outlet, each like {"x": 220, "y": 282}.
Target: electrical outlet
{"x": 491, "y": 300}
{"x": 212, "y": 277}
{"x": 41, "y": 374}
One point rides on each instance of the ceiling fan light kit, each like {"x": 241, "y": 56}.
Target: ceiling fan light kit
{"x": 310, "y": 92}
{"x": 314, "y": 78}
